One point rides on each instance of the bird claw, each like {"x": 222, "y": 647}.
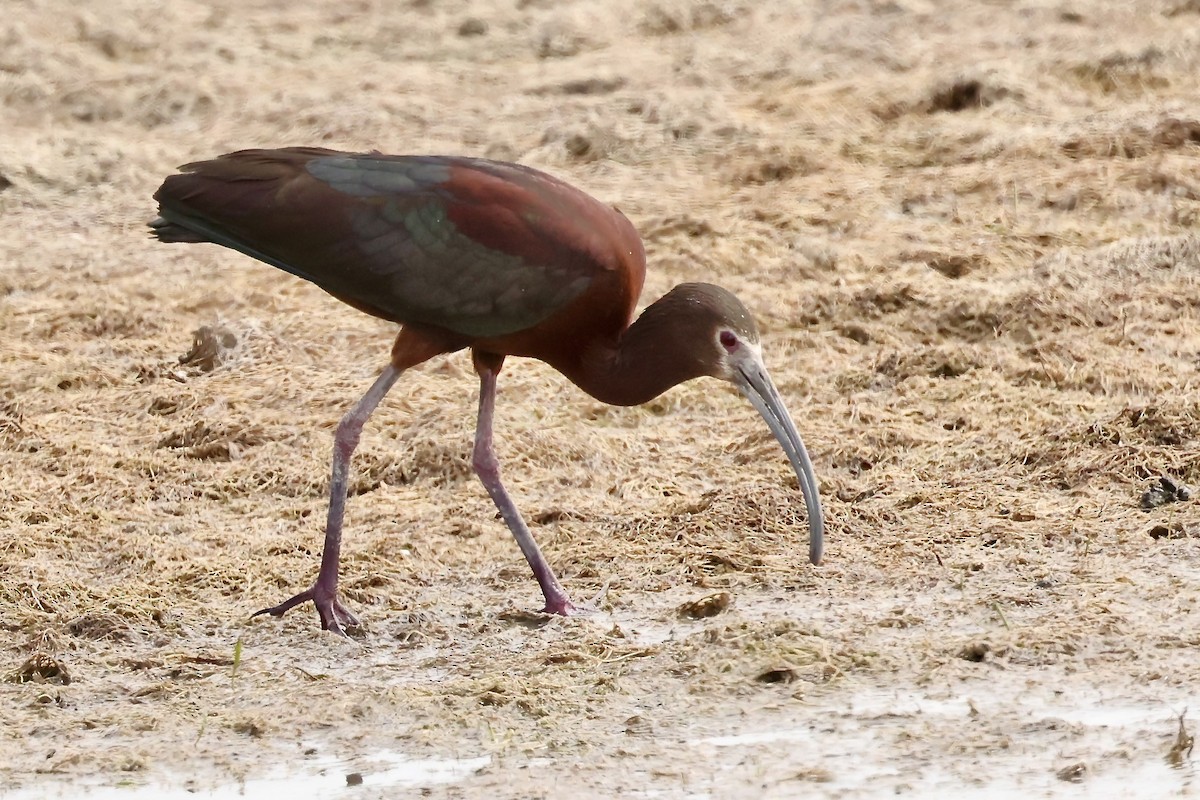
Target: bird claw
{"x": 563, "y": 606}
{"x": 334, "y": 615}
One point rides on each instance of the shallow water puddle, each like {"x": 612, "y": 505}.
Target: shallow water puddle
{"x": 317, "y": 778}
{"x": 874, "y": 743}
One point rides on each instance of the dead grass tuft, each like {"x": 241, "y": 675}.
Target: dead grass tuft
{"x": 219, "y": 441}
{"x": 41, "y": 667}
{"x": 666, "y": 17}
{"x": 1122, "y": 72}
{"x": 962, "y": 94}
{"x": 1145, "y": 259}
{"x": 209, "y": 345}
{"x": 735, "y": 656}
{"x": 757, "y": 166}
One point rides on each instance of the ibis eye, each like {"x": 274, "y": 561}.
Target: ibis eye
{"x": 728, "y": 340}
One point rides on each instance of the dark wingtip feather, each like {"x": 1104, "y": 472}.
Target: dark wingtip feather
{"x": 167, "y": 231}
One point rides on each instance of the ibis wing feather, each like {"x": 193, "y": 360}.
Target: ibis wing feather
{"x": 475, "y": 247}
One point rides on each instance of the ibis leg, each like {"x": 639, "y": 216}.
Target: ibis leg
{"x": 488, "y": 469}
{"x": 334, "y": 615}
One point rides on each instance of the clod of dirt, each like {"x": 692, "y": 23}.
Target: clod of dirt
{"x": 495, "y": 696}
{"x": 354, "y": 779}
{"x": 814, "y": 775}
{"x": 952, "y": 265}
{"x": 1166, "y": 492}
{"x": 777, "y": 675}
{"x": 1173, "y": 531}
{"x": 10, "y": 419}
{"x": 975, "y": 651}
{"x": 638, "y": 726}
{"x": 163, "y": 406}
{"x": 584, "y": 86}
{"x": 1181, "y": 749}
{"x": 1156, "y": 181}
{"x": 855, "y": 333}
{"x": 960, "y": 94}
{"x": 957, "y": 96}
{"x": 249, "y": 727}
{"x": 560, "y": 43}
{"x": 1175, "y": 132}
{"x": 526, "y": 619}
{"x": 661, "y": 228}
{"x": 706, "y": 607}
{"x": 1185, "y": 7}
{"x": 1016, "y": 516}
{"x": 874, "y": 303}
{"x": 209, "y": 344}
{"x": 1073, "y": 773}
{"x": 662, "y": 20}
{"x": 1121, "y": 72}
{"x": 40, "y": 668}
{"x": 547, "y": 517}
{"x": 102, "y": 626}
{"x": 213, "y": 443}
{"x": 935, "y": 363}
{"x": 765, "y": 165}
{"x": 578, "y": 145}
{"x": 472, "y": 26}
{"x": 1121, "y": 144}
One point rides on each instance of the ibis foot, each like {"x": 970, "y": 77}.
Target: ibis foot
{"x": 334, "y": 615}
{"x": 562, "y": 605}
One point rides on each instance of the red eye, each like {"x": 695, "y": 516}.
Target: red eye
{"x": 728, "y": 340}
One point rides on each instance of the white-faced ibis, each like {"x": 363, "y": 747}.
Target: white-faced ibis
{"x": 464, "y": 252}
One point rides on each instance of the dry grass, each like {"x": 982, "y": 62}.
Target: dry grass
{"x": 969, "y": 231}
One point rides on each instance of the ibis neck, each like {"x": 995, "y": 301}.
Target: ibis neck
{"x": 652, "y": 355}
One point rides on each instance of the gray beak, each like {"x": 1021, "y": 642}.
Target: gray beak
{"x": 751, "y": 377}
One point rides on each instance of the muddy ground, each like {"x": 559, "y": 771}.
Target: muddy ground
{"x": 970, "y": 232}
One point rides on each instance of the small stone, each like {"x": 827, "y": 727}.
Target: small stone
{"x": 473, "y": 26}
{"x": 1073, "y": 773}
{"x": 708, "y": 606}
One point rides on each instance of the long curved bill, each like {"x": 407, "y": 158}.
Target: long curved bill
{"x": 751, "y": 377}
